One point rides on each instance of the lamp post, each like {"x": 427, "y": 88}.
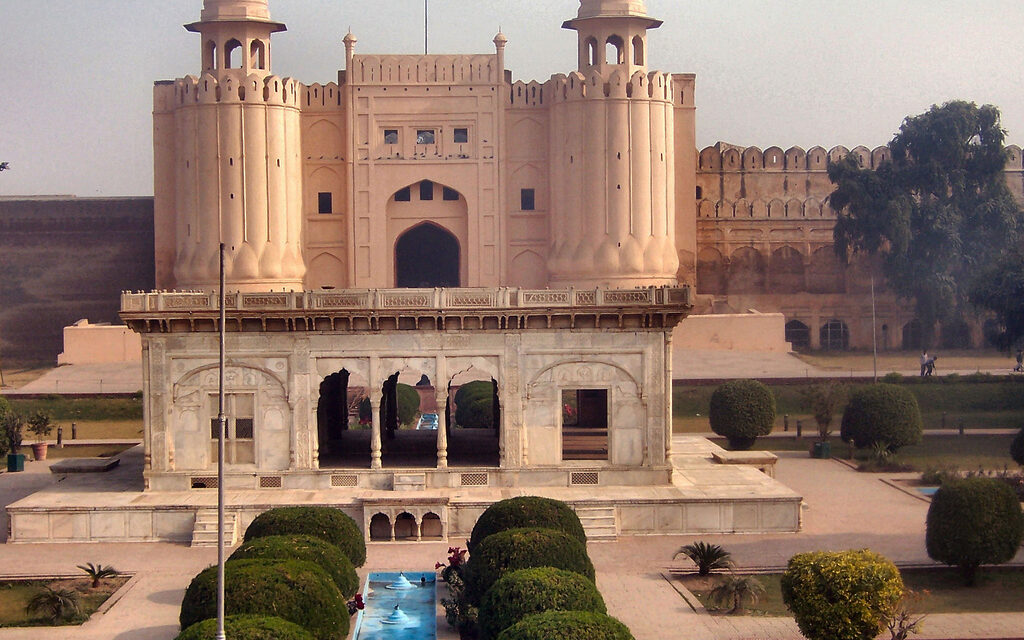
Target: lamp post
{"x": 221, "y": 423}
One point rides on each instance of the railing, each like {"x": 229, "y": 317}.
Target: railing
{"x": 411, "y": 299}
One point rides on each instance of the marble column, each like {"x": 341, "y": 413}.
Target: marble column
{"x": 441, "y": 397}
{"x": 375, "y": 400}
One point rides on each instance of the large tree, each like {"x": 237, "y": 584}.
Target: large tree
{"x": 1000, "y": 289}
{"x": 938, "y": 213}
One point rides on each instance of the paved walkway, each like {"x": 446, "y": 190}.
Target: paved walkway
{"x": 844, "y": 509}
{"x": 119, "y": 377}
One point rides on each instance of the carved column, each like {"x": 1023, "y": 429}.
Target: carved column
{"x": 441, "y": 397}
{"x": 668, "y": 399}
{"x": 375, "y": 398}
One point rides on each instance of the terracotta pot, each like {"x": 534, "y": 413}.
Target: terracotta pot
{"x": 39, "y": 450}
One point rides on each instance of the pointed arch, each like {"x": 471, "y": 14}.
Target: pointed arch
{"x": 427, "y": 255}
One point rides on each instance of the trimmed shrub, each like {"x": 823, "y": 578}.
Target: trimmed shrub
{"x": 474, "y": 389}
{"x": 476, "y": 413}
{"x": 247, "y": 628}
{"x": 972, "y": 522}
{"x": 1017, "y": 447}
{"x": 568, "y": 625}
{"x": 524, "y": 548}
{"x": 526, "y": 511}
{"x": 882, "y": 414}
{"x": 529, "y": 591}
{"x": 742, "y": 410}
{"x": 841, "y": 595}
{"x": 408, "y": 405}
{"x": 326, "y": 523}
{"x": 292, "y": 590}
{"x": 320, "y": 552}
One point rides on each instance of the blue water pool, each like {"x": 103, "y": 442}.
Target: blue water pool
{"x": 414, "y": 593}
{"x": 928, "y": 491}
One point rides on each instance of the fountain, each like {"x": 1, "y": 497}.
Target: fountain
{"x": 399, "y": 606}
{"x": 397, "y": 617}
{"x": 401, "y": 583}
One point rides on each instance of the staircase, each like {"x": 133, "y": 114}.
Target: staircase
{"x": 204, "y": 533}
{"x": 410, "y": 481}
{"x": 598, "y": 523}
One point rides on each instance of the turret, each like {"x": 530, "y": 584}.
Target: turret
{"x": 612, "y": 34}
{"x": 236, "y": 36}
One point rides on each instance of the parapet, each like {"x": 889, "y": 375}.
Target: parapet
{"x": 774, "y": 209}
{"x": 425, "y": 69}
{"x": 254, "y": 89}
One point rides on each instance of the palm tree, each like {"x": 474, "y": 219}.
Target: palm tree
{"x": 55, "y": 604}
{"x": 737, "y": 591}
{"x": 98, "y": 572}
{"x": 707, "y": 557}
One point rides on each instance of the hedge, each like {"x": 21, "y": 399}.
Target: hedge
{"x": 841, "y": 595}
{"x": 293, "y": 590}
{"x": 570, "y": 625}
{"x": 742, "y": 410}
{"x": 327, "y": 556}
{"x": 326, "y": 523}
{"x": 526, "y": 511}
{"x": 1017, "y": 447}
{"x": 974, "y": 521}
{"x": 246, "y": 627}
{"x": 530, "y": 591}
{"x": 523, "y": 548}
{"x": 882, "y": 414}
{"x": 478, "y": 413}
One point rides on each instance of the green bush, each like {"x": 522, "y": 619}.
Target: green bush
{"x": 893, "y": 377}
{"x": 882, "y": 414}
{"x": 526, "y": 511}
{"x": 1017, "y": 447}
{"x": 475, "y": 389}
{"x": 841, "y": 595}
{"x": 247, "y": 628}
{"x": 742, "y": 410}
{"x": 293, "y": 590}
{"x": 569, "y": 625}
{"x": 408, "y": 405}
{"x": 326, "y": 523}
{"x": 327, "y": 556}
{"x": 529, "y": 591}
{"x": 524, "y": 548}
{"x": 974, "y": 521}
{"x": 476, "y": 413}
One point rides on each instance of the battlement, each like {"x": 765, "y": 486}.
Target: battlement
{"x": 231, "y": 88}
{"x": 320, "y": 97}
{"x": 424, "y": 70}
{"x": 595, "y": 85}
{"x": 774, "y": 209}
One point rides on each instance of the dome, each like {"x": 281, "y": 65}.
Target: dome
{"x": 612, "y": 8}
{"x": 221, "y": 10}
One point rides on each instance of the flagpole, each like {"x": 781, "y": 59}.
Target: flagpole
{"x": 426, "y": 25}
{"x": 874, "y": 336}
{"x": 221, "y": 424}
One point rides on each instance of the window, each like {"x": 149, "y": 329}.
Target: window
{"x": 700, "y": 193}
{"x": 391, "y": 136}
{"x": 325, "y": 202}
{"x": 426, "y": 190}
{"x": 451, "y": 195}
{"x": 425, "y": 136}
{"x": 239, "y": 434}
{"x": 461, "y": 136}
{"x": 403, "y": 195}
{"x": 527, "y": 199}
{"x": 585, "y": 424}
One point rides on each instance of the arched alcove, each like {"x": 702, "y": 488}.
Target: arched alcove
{"x": 380, "y": 528}
{"x": 798, "y": 334}
{"x": 614, "y": 50}
{"x": 427, "y": 256}
{"x": 233, "y": 54}
{"x": 405, "y": 527}
{"x": 258, "y": 54}
{"x": 834, "y": 336}
{"x": 638, "y": 51}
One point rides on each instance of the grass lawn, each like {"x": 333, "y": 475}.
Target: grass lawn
{"x": 934, "y": 452}
{"x": 998, "y": 590}
{"x": 973, "y": 359}
{"x": 84, "y": 451}
{"x": 15, "y": 594}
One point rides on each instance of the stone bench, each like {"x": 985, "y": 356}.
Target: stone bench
{"x": 763, "y": 460}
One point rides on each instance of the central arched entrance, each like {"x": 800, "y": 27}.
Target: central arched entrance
{"x": 427, "y": 256}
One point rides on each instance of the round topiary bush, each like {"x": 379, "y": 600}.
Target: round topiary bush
{"x": 568, "y": 625}
{"x": 320, "y": 552}
{"x": 526, "y": 511}
{"x": 1017, "y": 447}
{"x": 974, "y": 521}
{"x": 408, "y": 405}
{"x": 529, "y": 591}
{"x": 841, "y": 595}
{"x": 325, "y": 523}
{"x": 476, "y": 413}
{"x": 474, "y": 389}
{"x": 525, "y": 548}
{"x": 742, "y": 410}
{"x": 247, "y": 628}
{"x": 292, "y": 590}
{"x": 882, "y": 414}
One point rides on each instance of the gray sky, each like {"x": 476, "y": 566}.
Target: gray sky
{"x": 76, "y": 75}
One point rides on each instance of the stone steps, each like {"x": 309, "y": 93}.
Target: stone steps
{"x": 599, "y": 523}
{"x": 410, "y": 481}
{"x": 204, "y": 533}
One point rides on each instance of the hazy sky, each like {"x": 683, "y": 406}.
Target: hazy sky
{"x": 76, "y": 75}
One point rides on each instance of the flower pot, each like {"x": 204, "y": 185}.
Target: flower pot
{"x": 15, "y": 462}
{"x": 822, "y": 450}
{"x": 39, "y": 450}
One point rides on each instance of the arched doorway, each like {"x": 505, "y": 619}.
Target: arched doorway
{"x": 427, "y": 256}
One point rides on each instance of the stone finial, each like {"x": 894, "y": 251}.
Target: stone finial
{"x": 500, "y": 40}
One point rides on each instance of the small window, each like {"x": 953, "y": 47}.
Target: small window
{"x": 451, "y": 195}
{"x": 391, "y": 136}
{"x": 461, "y": 136}
{"x": 325, "y": 201}
{"x": 425, "y": 136}
{"x": 527, "y": 200}
{"x": 426, "y": 190}
{"x": 700, "y": 193}
{"x": 403, "y": 195}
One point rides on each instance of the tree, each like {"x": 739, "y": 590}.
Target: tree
{"x": 1000, "y": 289}
{"x": 707, "y": 557}
{"x": 882, "y": 415}
{"x": 740, "y": 411}
{"x": 823, "y": 400}
{"x": 98, "y": 572}
{"x": 938, "y": 213}
{"x": 736, "y": 591}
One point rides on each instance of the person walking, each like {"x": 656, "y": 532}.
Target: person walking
{"x": 924, "y": 361}
{"x": 1020, "y": 361}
